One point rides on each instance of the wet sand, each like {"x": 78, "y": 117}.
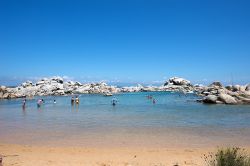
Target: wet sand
{"x": 115, "y": 156}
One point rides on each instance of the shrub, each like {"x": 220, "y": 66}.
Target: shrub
{"x": 228, "y": 157}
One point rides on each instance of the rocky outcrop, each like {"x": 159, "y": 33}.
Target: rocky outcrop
{"x": 210, "y": 99}
{"x": 216, "y": 93}
{"x": 54, "y": 86}
{"x": 227, "y": 99}
{"x": 57, "y": 86}
{"x": 178, "y": 84}
{"x": 216, "y": 84}
{"x": 177, "y": 81}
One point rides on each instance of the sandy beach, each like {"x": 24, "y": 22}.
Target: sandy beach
{"x": 115, "y": 156}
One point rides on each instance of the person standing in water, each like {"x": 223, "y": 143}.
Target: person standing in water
{"x": 39, "y": 103}
{"x": 114, "y": 101}
{"x": 54, "y": 101}
{"x": 77, "y": 100}
{"x": 72, "y": 100}
{"x": 24, "y": 103}
{"x": 154, "y": 101}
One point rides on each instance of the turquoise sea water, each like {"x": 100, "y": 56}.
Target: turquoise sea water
{"x": 174, "y": 120}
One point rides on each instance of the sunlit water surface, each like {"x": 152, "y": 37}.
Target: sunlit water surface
{"x": 175, "y": 120}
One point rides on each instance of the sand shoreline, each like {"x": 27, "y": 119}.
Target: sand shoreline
{"x": 49, "y": 155}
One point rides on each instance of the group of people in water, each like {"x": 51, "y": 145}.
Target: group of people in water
{"x": 150, "y": 97}
{"x": 75, "y": 100}
{"x": 39, "y": 103}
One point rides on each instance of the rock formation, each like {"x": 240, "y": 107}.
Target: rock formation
{"x": 215, "y": 93}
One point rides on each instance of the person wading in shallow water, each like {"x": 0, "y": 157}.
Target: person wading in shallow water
{"x": 114, "y": 101}
{"x": 24, "y": 103}
{"x": 77, "y": 100}
{"x": 39, "y": 103}
{"x": 72, "y": 100}
{"x": 154, "y": 101}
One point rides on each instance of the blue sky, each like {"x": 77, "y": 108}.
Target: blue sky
{"x": 125, "y": 41}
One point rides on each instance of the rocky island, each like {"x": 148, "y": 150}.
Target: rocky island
{"x": 215, "y": 93}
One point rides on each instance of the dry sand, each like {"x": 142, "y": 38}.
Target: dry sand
{"x": 115, "y": 156}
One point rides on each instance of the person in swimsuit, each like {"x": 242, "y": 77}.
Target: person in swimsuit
{"x": 72, "y": 100}
{"x": 77, "y": 100}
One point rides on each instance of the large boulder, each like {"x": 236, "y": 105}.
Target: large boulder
{"x": 6, "y": 95}
{"x": 210, "y": 99}
{"x": 177, "y": 81}
{"x": 57, "y": 79}
{"x": 248, "y": 87}
{"x": 229, "y": 87}
{"x": 1, "y": 94}
{"x": 40, "y": 83}
{"x": 227, "y": 99}
{"x": 27, "y": 84}
{"x": 78, "y": 83}
{"x": 247, "y": 93}
{"x": 236, "y": 88}
{"x": 242, "y": 88}
{"x": 216, "y": 83}
{"x": 3, "y": 88}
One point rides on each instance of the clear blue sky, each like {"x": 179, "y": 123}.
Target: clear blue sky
{"x": 129, "y": 40}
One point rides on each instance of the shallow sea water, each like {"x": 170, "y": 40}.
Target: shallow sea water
{"x": 175, "y": 120}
